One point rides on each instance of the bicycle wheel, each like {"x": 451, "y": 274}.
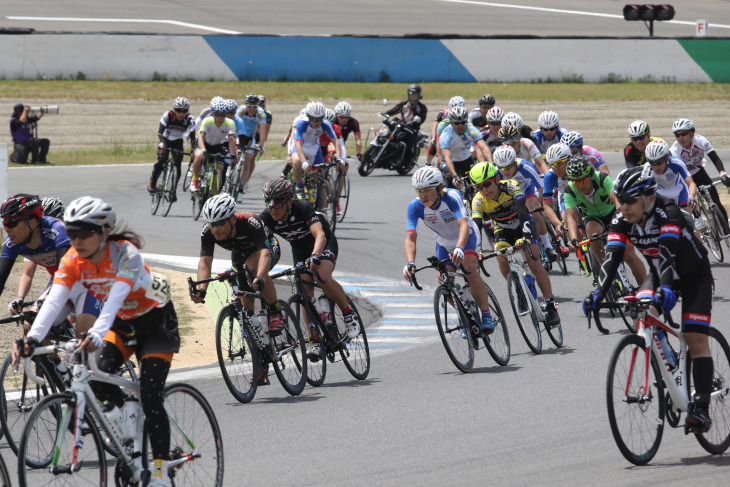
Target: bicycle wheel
{"x": 327, "y": 203}
{"x": 717, "y": 219}
{"x": 355, "y": 352}
{"x": 290, "y": 352}
{"x": 200, "y": 197}
{"x": 170, "y": 179}
{"x": 237, "y": 355}
{"x": 195, "y": 438}
{"x": 524, "y": 314}
{"x": 188, "y": 176}
{"x": 344, "y": 196}
{"x": 710, "y": 234}
{"x": 497, "y": 342}
{"x": 615, "y": 292}
{"x": 316, "y": 369}
{"x": 556, "y": 246}
{"x": 635, "y": 400}
{"x": 454, "y": 329}
{"x": 156, "y": 198}
{"x": 4, "y": 474}
{"x": 717, "y": 440}
{"x": 20, "y": 396}
{"x": 48, "y": 439}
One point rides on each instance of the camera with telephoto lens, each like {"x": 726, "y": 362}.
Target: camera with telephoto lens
{"x": 49, "y": 109}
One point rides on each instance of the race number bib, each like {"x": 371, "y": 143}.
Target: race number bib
{"x": 159, "y": 289}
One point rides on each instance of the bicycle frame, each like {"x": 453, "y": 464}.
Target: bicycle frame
{"x": 519, "y": 268}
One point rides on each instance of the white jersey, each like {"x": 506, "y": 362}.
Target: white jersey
{"x": 293, "y": 136}
{"x": 671, "y": 184}
{"x": 528, "y": 151}
{"x": 694, "y": 156}
{"x": 442, "y": 219}
{"x": 460, "y": 145}
{"x": 309, "y": 136}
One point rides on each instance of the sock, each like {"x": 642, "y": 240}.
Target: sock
{"x": 347, "y": 311}
{"x": 274, "y": 307}
{"x": 702, "y": 370}
{"x": 487, "y": 313}
{"x": 545, "y": 239}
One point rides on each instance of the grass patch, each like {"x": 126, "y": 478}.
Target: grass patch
{"x": 114, "y": 154}
{"x": 615, "y": 89}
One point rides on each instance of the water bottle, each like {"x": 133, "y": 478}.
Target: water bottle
{"x": 130, "y": 418}
{"x": 114, "y": 416}
{"x": 325, "y": 313}
{"x": 531, "y": 284}
{"x": 257, "y": 328}
{"x": 583, "y": 264}
{"x": 667, "y": 349}
{"x": 63, "y": 371}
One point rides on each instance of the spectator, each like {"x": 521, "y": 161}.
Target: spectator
{"x": 22, "y": 130}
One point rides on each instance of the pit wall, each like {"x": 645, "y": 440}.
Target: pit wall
{"x": 365, "y": 59}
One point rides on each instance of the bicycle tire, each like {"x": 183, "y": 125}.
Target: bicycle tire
{"x": 717, "y": 440}
{"x": 170, "y": 180}
{"x": 497, "y": 342}
{"x": 615, "y": 292}
{"x": 326, "y": 203}
{"x": 717, "y": 218}
{"x": 4, "y": 474}
{"x": 454, "y": 330}
{"x": 236, "y": 179}
{"x": 40, "y": 437}
{"x": 636, "y": 417}
{"x": 710, "y": 234}
{"x": 188, "y": 176}
{"x": 316, "y": 370}
{"x": 20, "y": 395}
{"x": 156, "y": 198}
{"x": 240, "y": 362}
{"x": 355, "y": 353}
{"x": 521, "y": 307}
{"x": 345, "y": 195}
{"x": 556, "y": 246}
{"x": 201, "y": 197}
{"x": 291, "y": 367}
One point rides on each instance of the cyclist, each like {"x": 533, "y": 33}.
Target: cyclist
{"x": 640, "y": 135}
{"x": 348, "y": 125}
{"x": 512, "y": 118}
{"x": 205, "y": 112}
{"x": 692, "y": 148}
{"x": 589, "y": 196}
{"x": 555, "y": 182}
{"x": 523, "y": 147}
{"x": 574, "y": 140}
{"x": 490, "y": 133}
{"x": 212, "y": 135}
{"x": 307, "y": 152}
{"x": 550, "y": 130}
{"x": 478, "y": 116}
{"x": 264, "y": 127}
{"x": 439, "y": 125}
{"x": 509, "y": 166}
{"x": 328, "y": 147}
{"x": 678, "y": 264}
{"x": 174, "y": 124}
{"x": 412, "y": 112}
{"x": 111, "y": 267}
{"x": 442, "y": 210}
{"x": 457, "y": 142}
{"x": 253, "y": 118}
{"x": 312, "y": 243}
{"x": 504, "y": 202}
{"x": 671, "y": 175}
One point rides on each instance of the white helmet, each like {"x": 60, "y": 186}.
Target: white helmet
{"x": 548, "y": 119}
{"x": 231, "y": 105}
{"x": 457, "y": 101}
{"x": 656, "y": 150}
{"x": 683, "y": 124}
{"x": 504, "y": 156}
{"x": 427, "y": 177}
{"x": 638, "y": 128}
{"x": 219, "y": 106}
{"x": 220, "y": 207}
{"x": 315, "y": 109}
{"x": 329, "y": 115}
{"x": 343, "y": 109}
{"x": 215, "y": 99}
{"x": 495, "y": 114}
{"x": 512, "y": 119}
{"x": 181, "y": 103}
{"x": 458, "y": 114}
{"x": 557, "y": 152}
{"x": 91, "y": 211}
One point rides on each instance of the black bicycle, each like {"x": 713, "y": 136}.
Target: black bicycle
{"x": 164, "y": 195}
{"x": 320, "y": 191}
{"x": 209, "y": 183}
{"x": 327, "y": 333}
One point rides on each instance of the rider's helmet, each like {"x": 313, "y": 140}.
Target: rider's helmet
{"x": 638, "y": 128}
{"x": 90, "y": 212}
{"x": 252, "y": 100}
{"x": 330, "y": 115}
{"x": 181, "y": 103}
{"x": 262, "y": 100}
{"x": 220, "y": 207}
{"x": 315, "y": 109}
{"x": 481, "y": 172}
{"x": 504, "y": 156}
{"x": 427, "y": 177}
{"x": 53, "y": 206}
{"x": 215, "y": 100}
{"x": 219, "y": 106}
{"x": 657, "y": 151}
{"x": 22, "y": 206}
{"x": 578, "y": 168}
{"x": 495, "y": 114}
{"x": 511, "y": 118}
{"x": 414, "y": 89}
{"x": 574, "y": 140}
{"x": 548, "y": 119}
{"x": 458, "y": 114}
{"x": 683, "y": 124}
{"x": 343, "y": 109}
{"x": 277, "y": 189}
{"x": 487, "y": 100}
{"x": 635, "y": 181}
{"x": 457, "y": 101}
{"x": 508, "y": 133}
{"x": 231, "y": 105}
{"x": 557, "y": 152}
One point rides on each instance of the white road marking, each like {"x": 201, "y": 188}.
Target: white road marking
{"x": 129, "y": 21}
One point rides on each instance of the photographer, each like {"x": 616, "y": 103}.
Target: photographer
{"x": 22, "y": 130}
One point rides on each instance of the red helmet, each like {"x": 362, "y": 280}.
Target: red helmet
{"x": 22, "y": 206}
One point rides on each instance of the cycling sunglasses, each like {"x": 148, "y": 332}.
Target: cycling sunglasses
{"x": 552, "y": 129}
{"x": 179, "y": 110}
{"x": 580, "y": 181}
{"x": 561, "y": 161}
{"x": 681, "y": 134}
{"x": 219, "y": 114}
{"x": 658, "y": 162}
{"x": 276, "y": 204}
{"x": 626, "y": 200}
{"x": 495, "y": 124}
{"x": 79, "y": 234}
{"x": 315, "y": 119}
{"x": 11, "y": 223}
{"x": 486, "y": 183}
{"x": 458, "y": 123}
{"x": 232, "y": 112}
{"x": 640, "y": 137}
{"x": 219, "y": 223}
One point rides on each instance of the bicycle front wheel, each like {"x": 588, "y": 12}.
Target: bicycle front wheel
{"x": 711, "y": 233}
{"x": 237, "y": 355}
{"x": 355, "y": 351}
{"x": 156, "y": 198}
{"x": 314, "y": 339}
{"x": 4, "y": 474}
{"x": 169, "y": 191}
{"x": 48, "y": 442}
{"x": 635, "y": 400}
{"x": 497, "y": 342}
{"x": 327, "y": 203}
{"x": 524, "y": 313}
{"x": 188, "y": 175}
{"x": 556, "y": 246}
{"x": 344, "y": 196}
{"x": 454, "y": 329}
{"x": 290, "y": 354}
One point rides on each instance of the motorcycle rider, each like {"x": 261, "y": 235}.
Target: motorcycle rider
{"x": 408, "y": 111}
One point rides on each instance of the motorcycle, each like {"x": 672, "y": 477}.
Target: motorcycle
{"x": 388, "y": 149}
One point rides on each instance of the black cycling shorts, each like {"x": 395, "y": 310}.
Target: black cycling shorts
{"x": 238, "y": 260}
{"x": 605, "y": 221}
{"x": 506, "y": 236}
{"x": 300, "y": 253}
{"x": 156, "y": 332}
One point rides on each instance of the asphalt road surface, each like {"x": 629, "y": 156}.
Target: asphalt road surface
{"x": 416, "y": 420}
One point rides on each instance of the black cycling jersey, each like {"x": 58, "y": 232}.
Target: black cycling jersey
{"x": 251, "y": 235}
{"x": 477, "y": 119}
{"x": 295, "y": 227}
{"x": 407, "y": 112}
{"x": 352, "y": 126}
{"x": 173, "y": 129}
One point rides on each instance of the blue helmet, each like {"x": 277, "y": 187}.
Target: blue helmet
{"x": 572, "y": 139}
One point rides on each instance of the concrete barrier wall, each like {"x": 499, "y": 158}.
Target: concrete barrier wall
{"x": 141, "y": 57}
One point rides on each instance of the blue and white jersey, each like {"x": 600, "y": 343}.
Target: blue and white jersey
{"x": 552, "y": 182}
{"x": 460, "y": 145}
{"x": 442, "y": 219}
{"x": 544, "y": 143}
{"x": 248, "y": 124}
{"x": 526, "y": 176}
{"x": 53, "y": 237}
{"x": 309, "y": 136}
{"x": 671, "y": 184}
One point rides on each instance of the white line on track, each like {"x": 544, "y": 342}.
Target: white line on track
{"x": 571, "y": 12}
{"x": 130, "y": 21}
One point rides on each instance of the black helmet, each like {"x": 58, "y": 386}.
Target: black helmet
{"x": 635, "y": 181}
{"x": 251, "y": 99}
{"x": 414, "y": 89}
{"x": 277, "y": 189}
{"x": 22, "y": 206}
{"x": 487, "y": 100}
{"x": 53, "y": 206}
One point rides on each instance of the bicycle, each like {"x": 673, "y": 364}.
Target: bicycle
{"x": 342, "y": 186}
{"x": 523, "y": 295}
{"x": 64, "y": 432}
{"x": 235, "y": 180}
{"x": 555, "y": 241}
{"x": 208, "y": 185}
{"x": 320, "y": 192}
{"x": 164, "y": 193}
{"x": 4, "y": 474}
{"x": 709, "y": 224}
{"x": 245, "y": 347}
{"x": 639, "y": 373}
{"x": 459, "y": 319}
{"x": 328, "y": 332}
